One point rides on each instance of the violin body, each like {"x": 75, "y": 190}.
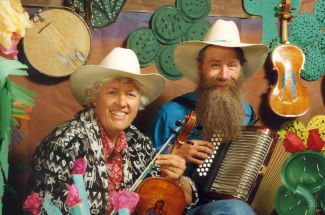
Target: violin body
{"x": 160, "y": 196}
{"x": 288, "y": 97}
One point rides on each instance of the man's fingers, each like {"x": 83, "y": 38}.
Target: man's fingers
{"x": 195, "y": 161}
{"x": 202, "y": 143}
{"x": 202, "y": 149}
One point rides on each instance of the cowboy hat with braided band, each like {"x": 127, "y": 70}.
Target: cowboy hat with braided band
{"x": 222, "y": 33}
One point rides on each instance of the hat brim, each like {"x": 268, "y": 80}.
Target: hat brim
{"x": 85, "y": 77}
{"x": 186, "y": 53}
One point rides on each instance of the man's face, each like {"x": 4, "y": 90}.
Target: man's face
{"x": 117, "y": 105}
{"x": 221, "y": 65}
{"x": 219, "y": 105}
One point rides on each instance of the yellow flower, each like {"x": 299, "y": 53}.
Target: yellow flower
{"x": 12, "y": 19}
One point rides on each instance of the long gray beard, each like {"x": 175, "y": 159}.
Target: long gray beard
{"x": 220, "y": 110}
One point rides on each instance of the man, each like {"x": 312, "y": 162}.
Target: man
{"x": 219, "y": 65}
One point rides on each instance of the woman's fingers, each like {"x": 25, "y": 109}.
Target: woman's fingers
{"x": 171, "y": 165}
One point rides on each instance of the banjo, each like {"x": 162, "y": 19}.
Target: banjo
{"x": 58, "y": 43}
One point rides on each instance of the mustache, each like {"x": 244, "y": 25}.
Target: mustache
{"x": 216, "y": 83}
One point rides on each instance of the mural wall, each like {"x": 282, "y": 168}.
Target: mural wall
{"x": 55, "y": 104}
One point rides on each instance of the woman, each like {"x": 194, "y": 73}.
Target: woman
{"x": 102, "y": 133}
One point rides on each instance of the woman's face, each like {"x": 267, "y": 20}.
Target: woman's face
{"x": 117, "y": 105}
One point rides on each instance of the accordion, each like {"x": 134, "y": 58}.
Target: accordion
{"x": 235, "y": 168}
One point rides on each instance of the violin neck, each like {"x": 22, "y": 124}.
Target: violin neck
{"x": 285, "y": 31}
{"x": 175, "y": 146}
{"x": 286, "y": 7}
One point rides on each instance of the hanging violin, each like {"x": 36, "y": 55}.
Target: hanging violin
{"x": 288, "y": 97}
{"x": 159, "y": 195}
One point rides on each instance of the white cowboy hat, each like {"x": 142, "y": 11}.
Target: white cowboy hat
{"x": 222, "y": 33}
{"x": 120, "y": 62}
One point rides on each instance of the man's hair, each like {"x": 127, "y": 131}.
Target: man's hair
{"x": 92, "y": 93}
{"x": 239, "y": 53}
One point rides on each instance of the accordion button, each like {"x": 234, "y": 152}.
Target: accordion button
{"x": 204, "y": 174}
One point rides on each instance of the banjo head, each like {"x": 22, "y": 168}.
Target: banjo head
{"x": 58, "y": 43}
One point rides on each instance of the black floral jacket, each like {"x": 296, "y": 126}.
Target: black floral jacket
{"x": 54, "y": 157}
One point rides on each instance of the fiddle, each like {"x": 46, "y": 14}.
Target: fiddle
{"x": 288, "y": 97}
{"x": 159, "y": 195}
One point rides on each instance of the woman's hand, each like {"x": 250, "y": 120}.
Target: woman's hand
{"x": 171, "y": 166}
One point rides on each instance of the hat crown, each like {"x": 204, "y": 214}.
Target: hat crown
{"x": 123, "y": 60}
{"x": 223, "y": 31}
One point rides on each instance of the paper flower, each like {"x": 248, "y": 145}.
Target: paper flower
{"x": 73, "y": 196}
{"x": 33, "y": 204}
{"x": 13, "y": 19}
{"x": 314, "y": 141}
{"x": 79, "y": 166}
{"x": 21, "y": 112}
{"x": 292, "y": 143}
{"x": 125, "y": 199}
{"x": 11, "y": 52}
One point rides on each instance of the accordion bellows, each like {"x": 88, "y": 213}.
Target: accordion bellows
{"x": 236, "y": 168}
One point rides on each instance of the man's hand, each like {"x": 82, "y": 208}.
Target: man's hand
{"x": 196, "y": 151}
{"x": 171, "y": 166}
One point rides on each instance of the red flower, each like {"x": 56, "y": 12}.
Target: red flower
{"x": 314, "y": 141}
{"x": 79, "y": 166}
{"x": 292, "y": 143}
{"x": 33, "y": 204}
